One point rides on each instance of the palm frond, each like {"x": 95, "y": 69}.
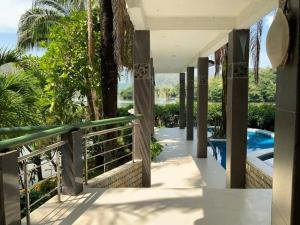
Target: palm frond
{"x": 35, "y": 23}
{"x": 53, "y": 5}
{"x": 220, "y": 55}
{"x": 123, "y": 34}
{"x": 34, "y": 26}
{"x": 17, "y": 100}
{"x": 9, "y": 56}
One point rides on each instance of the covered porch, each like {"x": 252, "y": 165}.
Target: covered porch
{"x": 184, "y": 190}
{"x": 185, "y": 185}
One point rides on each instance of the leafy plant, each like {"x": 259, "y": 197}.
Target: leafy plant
{"x": 156, "y": 148}
{"x": 18, "y": 97}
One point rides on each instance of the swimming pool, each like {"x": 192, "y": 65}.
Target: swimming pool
{"x": 256, "y": 140}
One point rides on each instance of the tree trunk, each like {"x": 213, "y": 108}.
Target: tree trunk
{"x": 109, "y": 68}
{"x": 91, "y": 92}
{"x": 224, "y": 93}
{"x": 109, "y": 76}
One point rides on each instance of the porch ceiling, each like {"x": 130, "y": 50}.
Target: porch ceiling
{"x": 183, "y": 30}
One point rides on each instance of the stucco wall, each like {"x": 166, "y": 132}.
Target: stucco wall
{"x": 127, "y": 175}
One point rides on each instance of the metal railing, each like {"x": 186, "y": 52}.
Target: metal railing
{"x": 26, "y": 174}
{"x": 110, "y": 145}
{"x": 106, "y": 144}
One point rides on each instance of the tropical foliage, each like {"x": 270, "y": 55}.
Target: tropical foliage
{"x": 35, "y": 23}
{"x": 66, "y": 68}
{"x": 264, "y": 91}
{"x": 18, "y": 100}
{"x": 9, "y": 56}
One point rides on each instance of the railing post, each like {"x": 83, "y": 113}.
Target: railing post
{"x": 72, "y": 163}
{"x": 9, "y": 189}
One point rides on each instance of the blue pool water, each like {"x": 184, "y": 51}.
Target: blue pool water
{"x": 256, "y": 140}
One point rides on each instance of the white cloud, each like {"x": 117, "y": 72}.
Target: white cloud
{"x": 10, "y": 12}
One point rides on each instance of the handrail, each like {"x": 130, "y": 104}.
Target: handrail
{"x": 25, "y": 130}
{"x": 88, "y": 124}
{"x": 47, "y": 133}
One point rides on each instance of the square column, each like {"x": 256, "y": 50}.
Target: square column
{"x": 202, "y": 107}
{"x": 10, "y": 212}
{"x": 237, "y": 108}
{"x": 190, "y": 104}
{"x": 182, "y": 115}
{"x": 142, "y": 101}
{"x": 286, "y": 176}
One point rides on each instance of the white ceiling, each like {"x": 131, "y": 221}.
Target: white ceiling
{"x": 183, "y": 30}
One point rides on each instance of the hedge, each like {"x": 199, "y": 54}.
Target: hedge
{"x": 260, "y": 115}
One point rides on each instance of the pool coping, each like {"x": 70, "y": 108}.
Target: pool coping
{"x": 255, "y": 159}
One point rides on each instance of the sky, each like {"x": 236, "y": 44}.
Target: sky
{"x": 11, "y": 10}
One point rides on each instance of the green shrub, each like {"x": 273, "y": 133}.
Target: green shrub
{"x": 123, "y": 111}
{"x": 260, "y": 115}
{"x": 166, "y": 115}
{"x": 156, "y": 148}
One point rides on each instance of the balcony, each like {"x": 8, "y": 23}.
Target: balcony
{"x": 184, "y": 190}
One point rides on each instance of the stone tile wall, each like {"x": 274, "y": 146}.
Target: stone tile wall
{"x": 256, "y": 177}
{"x": 127, "y": 175}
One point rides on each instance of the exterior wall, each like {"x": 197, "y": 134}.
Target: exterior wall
{"x": 258, "y": 173}
{"x": 127, "y": 175}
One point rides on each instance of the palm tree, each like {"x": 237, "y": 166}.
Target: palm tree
{"x": 221, "y": 62}
{"x": 91, "y": 95}
{"x": 35, "y": 23}
{"x": 255, "y": 46}
{"x": 34, "y": 28}
{"x": 117, "y": 37}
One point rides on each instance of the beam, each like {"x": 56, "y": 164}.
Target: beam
{"x": 218, "y": 41}
{"x": 254, "y": 12}
{"x": 191, "y": 23}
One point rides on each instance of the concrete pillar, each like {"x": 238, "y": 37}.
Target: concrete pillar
{"x": 152, "y": 96}
{"x": 202, "y": 106}
{"x": 10, "y": 213}
{"x": 142, "y": 101}
{"x": 286, "y": 176}
{"x": 72, "y": 163}
{"x": 190, "y": 104}
{"x": 182, "y": 115}
{"x": 237, "y": 108}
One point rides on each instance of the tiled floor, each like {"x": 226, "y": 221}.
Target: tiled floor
{"x": 186, "y": 190}
{"x": 178, "y": 167}
{"x": 159, "y": 206}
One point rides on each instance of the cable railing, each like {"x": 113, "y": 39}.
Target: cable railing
{"x": 99, "y": 146}
{"x": 27, "y": 169}
{"x": 108, "y": 146}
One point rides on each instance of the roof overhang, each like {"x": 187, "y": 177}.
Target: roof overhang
{"x": 183, "y": 30}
